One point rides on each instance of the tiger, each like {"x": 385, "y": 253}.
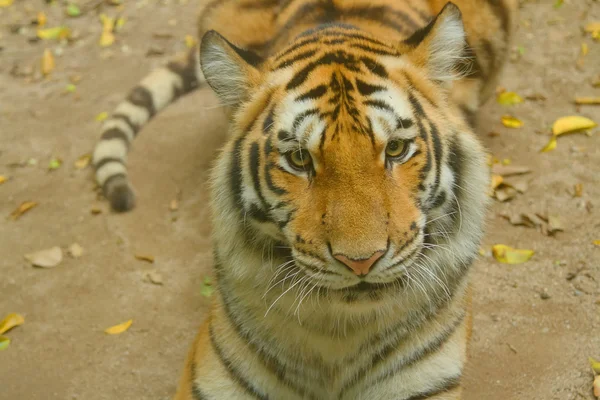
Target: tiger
{"x": 348, "y": 201}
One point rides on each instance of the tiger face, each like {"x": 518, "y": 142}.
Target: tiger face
{"x": 345, "y": 149}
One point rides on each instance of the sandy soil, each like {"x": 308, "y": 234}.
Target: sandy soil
{"x": 525, "y": 346}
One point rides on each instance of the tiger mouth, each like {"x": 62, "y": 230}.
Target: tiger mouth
{"x": 367, "y": 287}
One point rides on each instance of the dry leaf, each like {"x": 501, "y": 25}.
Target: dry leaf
{"x": 155, "y": 277}
{"x": 83, "y": 161}
{"x": 596, "y": 242}
{"x": 511, "y": 122}
{"x": 206, "y": 287}
{"x": 107, "y": 37}
{"x": 41, "y": 19}
{"x": 4, "y": 341}
{"x": 509, "y": 170}
{"x": 22, "y": 209}
{"x": 587, "y": 100}
{"x": 190, "y": 41}
{"x": 10, "y": 321}
{"x": 508, "y": 255}
{"x": 55, "y": 163}
{"x": 6, "y": 3}
{"x": 75, "y": 250}
{"x": 551, "y": 145}
{"x": 592, "y": 27}
{"x": 505, "y": 193}
{"x": 3, "y": 179}
{"x": 73, "y": 10}
{"x": 521, "y": 185}
{"x": 509, "y": 99}
{"x": 102, "y": 116}
{"x": 554, "y": 225}
{"x": 47, "y": 258}
{"x": 95, "y": 210}
{"x": 571, "y": 124}
{"x": 47, "y": 62}
{"x": 146, "y": 258}
{"x": 597, "y": 386}
{"x": 115, "y": 330}
{"x": 578, "y": 190}
{"x": 496, "y": 181}
{"x": 595, "y": 365}
{"x": 174, "y": 205}
{"x": 58, "y": 33}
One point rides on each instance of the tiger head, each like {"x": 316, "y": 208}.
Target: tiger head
{"x": 347, "y": 151}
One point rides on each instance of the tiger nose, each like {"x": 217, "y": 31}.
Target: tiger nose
{"x": 360, "y": 266}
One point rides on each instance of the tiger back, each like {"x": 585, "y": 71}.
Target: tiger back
{"x": 348, "y": 202}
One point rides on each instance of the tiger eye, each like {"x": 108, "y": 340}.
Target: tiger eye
{"x": 299, "y": 159}
{"x": 395, "y": 148}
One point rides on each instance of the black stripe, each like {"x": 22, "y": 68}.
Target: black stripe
{"x": 234, "y": 373}
{"x": 404, "y": 123}
{"x": 125, "y": 118}
{"x": 269, "y": 180}
{"x": 235, "y": 172}
{"x": 374, "y": 67}
{"x": 313, "y": 94}
{"x": 456, "y": 162}
{"x": 380, "y": 104}
{"x": 296, "y": 47}
{"x": 294, "y": 59}
{"x": 301, "y": 117}
{"x": 268, "y": 122}
{"x": 285, "y": 136}
{"x": 445, "y": 386}
{"x": 439, "y": 200}
{"x": 187, "y": 72}
{"x": 367, "y": 89}
{"x": 335, "y": 57}
{"x": 249, "y": 56}
{"x": 106, "y": 160}
{"x": 420, "y": 34}
{"x": 438, "y": 153}
{"x": 115, "y": 133}
{"x": 370, "y": 49}
{"x": 254, "y": 167}
{"x": 501, "y": 12}
{"x": 107, "y": 184}
{"x": 141, "y": 97}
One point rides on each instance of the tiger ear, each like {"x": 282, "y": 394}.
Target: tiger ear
{"x": 440, "y": 46}
{"x": 229, "y": 70}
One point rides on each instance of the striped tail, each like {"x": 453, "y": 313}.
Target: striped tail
{"x": 156, "y": 91}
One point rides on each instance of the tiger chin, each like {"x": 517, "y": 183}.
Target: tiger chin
{"x": 349, "y": 200}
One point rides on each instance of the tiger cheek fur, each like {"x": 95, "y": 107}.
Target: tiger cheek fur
{"x": 348, "y": 203}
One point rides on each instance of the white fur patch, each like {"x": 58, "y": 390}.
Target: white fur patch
{"x": 160, "y": 83}
{"x": 446, "y": 46}
{"x": 120, "y": 125}
{"x": 137, "y": 115}
{"x": 110, "y": 148}
{"x": 109, "y": 169}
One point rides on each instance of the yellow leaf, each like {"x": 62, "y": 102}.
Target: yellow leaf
{"x": 41, "y": 19}
{"x": 10, "y": 321}
{"x": 508, "y": 255}
{"x": 550, "y": 146}
{"x": 5, "y": 3}
{"x": 59, "y": 32}
{"x": 83, "y": 161}
{"x": 595, "y": 365}
{"x": 509, "y": 98}
{"x": 511, "y": 122}
{"x": 115, "y": 330}
{"x": 102, "y": 116}
{"x": 22, "y": 209}
{"x": 107, "y": 37}
{"x": 497, "y": 181}
{"x": 596, "y": 242}
{"x": 3, "y": 179}
{"x": 584, "y": 49}
{"x": 587, "y": 100}
{"x": 578, "y": 190}
{"x": 571, "y": 124}
{"x": 47, "y": 62}
{"x": 190, "y": 41}
{"x": 4, "y": 342}
{"x": 143, "y": 257}
{"x": 119, "y": 23}
{"x": 592, "y": 27}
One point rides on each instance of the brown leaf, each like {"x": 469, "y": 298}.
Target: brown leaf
{"x": 47, "y": 258}
{"x": 3, "y": 179}
{"x": 597, "y": 386}
{"x": 154, "y": 277}
{"x": 587, "y": 100}
{"x": 578, "y": 190}
{"x": 143, "y": 257}
{"x": 83, "y": 161}
{"x": 75, "y": 250}
{"x": 95, "y": 210}
{"x": 22, "y": 209}
{"x": 174, "y": 205}
{"x": 47, "y": 62}
{"x": 505, "y": 193}
{"x": 508, "y": 170}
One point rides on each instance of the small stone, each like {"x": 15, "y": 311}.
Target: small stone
{"x": 544, "y": 296}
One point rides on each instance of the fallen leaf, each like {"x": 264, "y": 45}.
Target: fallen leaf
{"x": 22, "y": 209}
{"x": 12, "y": 320}
{"x": 83, "y": 161}
{"x": 596, "y": 242}
{"x": 496, "y": 181}
{"x": 578, "y": 190}
{"x": 536, "y": 97}
{"x": 521, "y": 185}
{"x": 115, "y": 330}
{"x": 143, "y": 257}
{"x": 41, "y": 19}
{"x": 551, "y": 145}
{"x": 571, "y": 124}
{"x": 554, "y": 225}
{"x": 58, "y": 33}
{"x": 6, "y": 3}
{"x": 511, "y": 122}
{"x": 509, "y": 170}
{"x": 505, "y": 193}
{"x": 508, "y": 255}
{"x": 587, "y": 100}
{"x": 584, "y": 49}
{"x": 95, "y": 210}
{"x": 70, "y": 88}
{"x": 102, "y": 116}
{"x": 119, "y": 23}
{"x": 155, "y": 277}
{"x": 75, "y": 250}
{"x": 509, "y": 99}
{"x": 595, "y": 365}
{"x": 592, "y": 27}
{"x": 190, "y": 41}
{"x": 506, "y": 161}
{"x": 206, "y": 287}
{"x": 73, "y": 10}
{"x": 4, "y": 342}
{"x": 55, "y": 163}
{"x": 558, "y": 3}
{"x": 47, "y": 62}
{"x": 107, "y": 37}
{"x": 174, "y": 205}
{"x": 3, "y": 179}
{"x": 47, "y": 258}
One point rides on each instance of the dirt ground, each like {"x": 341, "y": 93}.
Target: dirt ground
{"x": 536, "y": 323}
